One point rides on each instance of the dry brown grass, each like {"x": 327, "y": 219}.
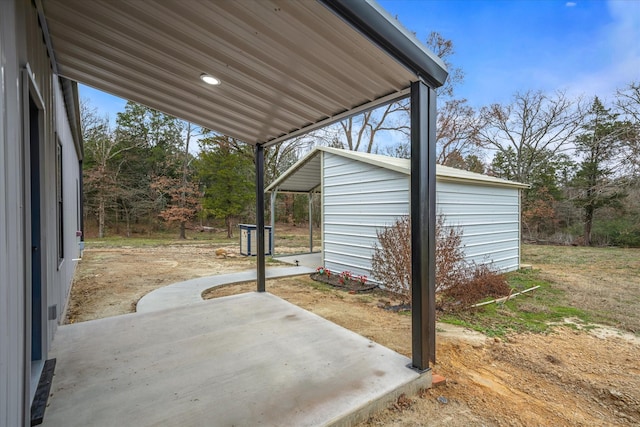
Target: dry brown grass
{"x": 602, "y": 281}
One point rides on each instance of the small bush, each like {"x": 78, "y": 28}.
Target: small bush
{"x": 451, "y": 267}
{"x": 458, "y": 284}
{"x": 391, "y": 261}
{"x": 481, "y": 282}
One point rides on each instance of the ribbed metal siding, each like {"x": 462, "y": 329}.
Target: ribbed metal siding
{"x": 489, "y": 217}
{"x": 71, "y": 197}
{"x": 19, "y": 30}
{"x": 359, "y": 199}
{"x": 12, "y": 247}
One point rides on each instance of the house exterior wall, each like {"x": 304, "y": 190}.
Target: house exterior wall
{"x": 64, "y": 269}
{"x": 21, "y": 48}
{"x": 359, "y": 199}
{"x": 12, "y": 247}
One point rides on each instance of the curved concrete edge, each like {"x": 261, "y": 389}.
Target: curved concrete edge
{"x": 190, "y": 291}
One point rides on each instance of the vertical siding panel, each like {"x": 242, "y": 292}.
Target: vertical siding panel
{"x": 12, "y": 249}
{"x": 71, "y": 172}
{"x": 21, "y": 42}
{"x": 7, "y": 343}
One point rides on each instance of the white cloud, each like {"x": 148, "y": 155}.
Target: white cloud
{"x": 620, "y": 39}
{"x": 570, "y": 4}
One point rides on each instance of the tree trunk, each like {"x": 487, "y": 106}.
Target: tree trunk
{"x": 588, "y": 223}
{"x": 185, "y": 168}
{"x": 101, "y": 214}
{"x": 229, "y": 223}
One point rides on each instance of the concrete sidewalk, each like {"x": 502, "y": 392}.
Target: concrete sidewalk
{"x": 312, "y": 260}
{"x": 243, "y": 360}
{"x": 190, "y": 291}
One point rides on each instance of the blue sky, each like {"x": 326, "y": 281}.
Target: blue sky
{"x": 504, "y": 46}
{"x": 583, "y": 47}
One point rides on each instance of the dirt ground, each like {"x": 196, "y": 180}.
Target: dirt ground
{"x": 567, "y": 377}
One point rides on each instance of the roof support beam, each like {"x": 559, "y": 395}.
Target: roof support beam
{"x": 261, "y": 272}
{"x": 423, "y": 219}
{"x": 387, "y": 99}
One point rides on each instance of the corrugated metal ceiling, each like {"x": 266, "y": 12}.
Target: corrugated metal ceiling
{"x": 283, "y": 64}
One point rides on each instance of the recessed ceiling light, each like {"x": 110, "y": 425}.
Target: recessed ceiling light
{"x": 209, "y": 79}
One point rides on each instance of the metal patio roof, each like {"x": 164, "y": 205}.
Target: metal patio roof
{"x": 285, "y": 66}
{"x": 305, "y": 175}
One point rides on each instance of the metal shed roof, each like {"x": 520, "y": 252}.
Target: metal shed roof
{"x": 285, "y": 66}
{"x": 304, "y": 176}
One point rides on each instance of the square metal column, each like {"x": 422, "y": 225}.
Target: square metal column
{"x": 423, "y": 219}
{"x": 260, "y": 259}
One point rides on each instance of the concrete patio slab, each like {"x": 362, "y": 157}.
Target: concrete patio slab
{"x": 244, "y": 360}
{"x": 190, "y": 291}
{"x": 312, "y": 260}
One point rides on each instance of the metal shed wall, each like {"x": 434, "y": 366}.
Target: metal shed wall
{"x": 489, "y": 217}
{"x": 359, "y": 199}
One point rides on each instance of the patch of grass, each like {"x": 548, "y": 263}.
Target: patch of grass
{"x": 530, "y": 312}
{"x": 604, "y": 282}
{"x": 321, "y": 286}
{"x": 158, "y": 240}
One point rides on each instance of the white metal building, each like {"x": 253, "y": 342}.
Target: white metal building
{"x": 361, "y": 193}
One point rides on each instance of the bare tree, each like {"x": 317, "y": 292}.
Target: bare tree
{"x": 628, "y": 101}
{"x": 101, "y": 149}
{"x": 444, "y": 49}
{"x": 362, "y": 132}
{"x": 532, "y": 127}
{"x": 359, "y": 133}
{"x": 628, "y": 106}
{"x": 185, "y": 203}
{"x": 456, "y": 131}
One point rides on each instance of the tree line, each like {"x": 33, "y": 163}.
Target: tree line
{"x": 581, "y": 157}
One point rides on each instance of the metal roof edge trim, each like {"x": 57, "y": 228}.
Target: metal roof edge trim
{"x": 496, "y": 182}
{"x": 383, "y": 30}
{"x": 443, "y": 173}
{"x": 356, "y": 155}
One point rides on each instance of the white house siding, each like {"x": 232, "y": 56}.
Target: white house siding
{"x": 21, "y": 43}
{"x": 12, "y": 248}
{"x": 64, "y": 270}
{"x": 359, "y": 199}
